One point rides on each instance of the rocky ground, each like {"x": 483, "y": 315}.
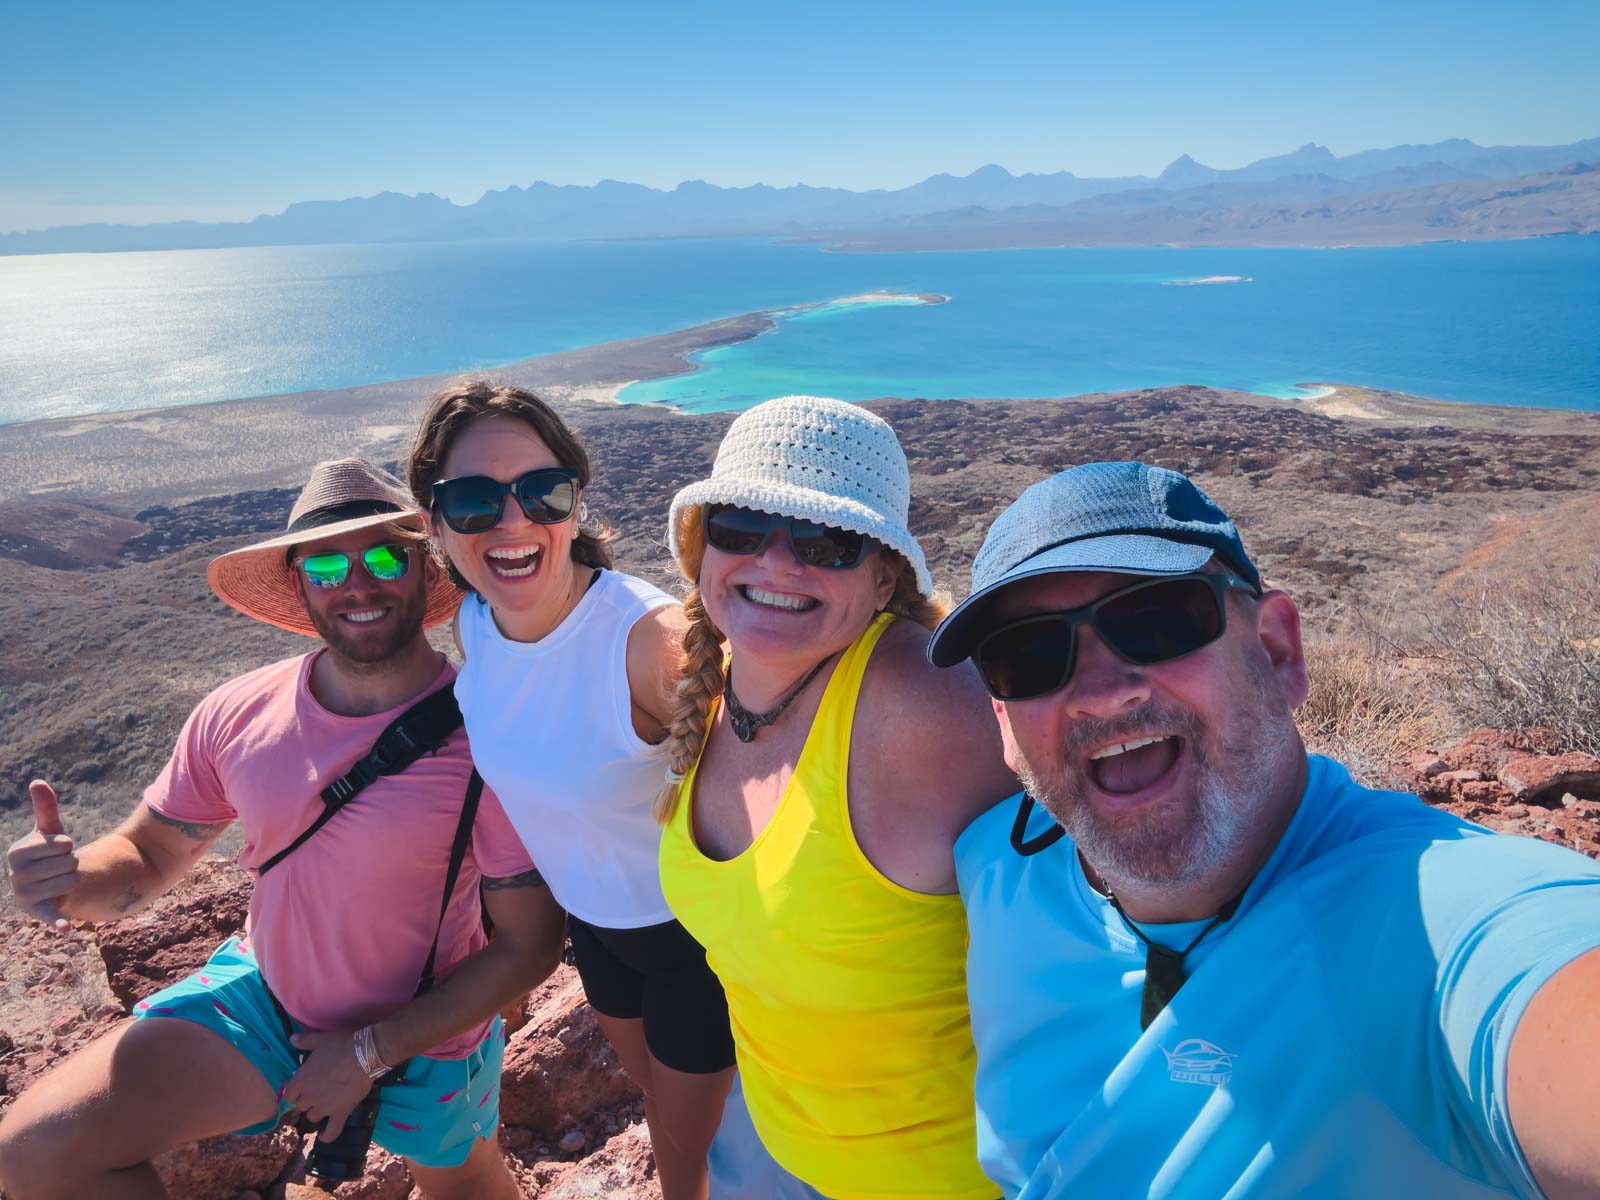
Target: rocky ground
{"x": 573, "y": 1124}
{"x": 1360, "y": 504}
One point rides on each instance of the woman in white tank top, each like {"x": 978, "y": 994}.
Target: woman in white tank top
{"x": 567, "y": 692}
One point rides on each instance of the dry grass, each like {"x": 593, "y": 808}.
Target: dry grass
{"x": 1367, "y": 707}
{"x": 1525, "y": 653}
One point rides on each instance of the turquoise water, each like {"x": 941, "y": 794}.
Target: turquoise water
{"x": 1500, "y": 323}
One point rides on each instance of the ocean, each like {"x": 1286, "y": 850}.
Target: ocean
{"x": 1514, "y": 323}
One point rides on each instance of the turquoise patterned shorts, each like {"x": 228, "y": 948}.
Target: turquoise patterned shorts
{"x": 432, "y": 1118}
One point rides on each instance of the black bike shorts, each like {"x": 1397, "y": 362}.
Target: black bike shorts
{"x": 658, "y": 973}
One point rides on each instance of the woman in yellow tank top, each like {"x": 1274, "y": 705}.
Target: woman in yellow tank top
{"x": 823, "y": 770}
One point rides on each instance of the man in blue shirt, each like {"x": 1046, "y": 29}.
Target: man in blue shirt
{"x": 1204, "y": 964}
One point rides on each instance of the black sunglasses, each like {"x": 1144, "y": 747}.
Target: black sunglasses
{"x": 1148, "y": 622}
{"x": 474, "y": 503}
{"x": 745, "y": 530}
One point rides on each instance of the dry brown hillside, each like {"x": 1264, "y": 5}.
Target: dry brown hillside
{"x": 111, "y": 634}
{"x": 1445, "y": 558}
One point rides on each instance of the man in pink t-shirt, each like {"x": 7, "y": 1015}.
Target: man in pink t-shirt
{"x": 341, "y": 926}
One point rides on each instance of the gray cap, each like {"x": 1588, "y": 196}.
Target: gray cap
{"x": 1123, "y": 517}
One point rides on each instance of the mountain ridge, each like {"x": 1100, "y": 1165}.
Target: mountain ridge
{"x": 619, "y": 209}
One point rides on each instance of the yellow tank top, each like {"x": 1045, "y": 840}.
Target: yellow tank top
{"x": 847, "y": 991}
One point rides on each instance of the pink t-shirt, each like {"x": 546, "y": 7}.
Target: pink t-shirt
{"x": 342, "y": 926}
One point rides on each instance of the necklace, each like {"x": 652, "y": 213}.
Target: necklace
{"x": 745, "y": 723}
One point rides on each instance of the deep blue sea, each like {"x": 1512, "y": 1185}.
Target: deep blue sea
{"x": 1497, "y": 323}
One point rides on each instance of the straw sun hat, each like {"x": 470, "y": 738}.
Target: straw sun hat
{"x": 340, "y": 496}
{"x": 818, "y": 459}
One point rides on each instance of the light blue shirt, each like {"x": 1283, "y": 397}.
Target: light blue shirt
{"x": 1344, "y": 1035}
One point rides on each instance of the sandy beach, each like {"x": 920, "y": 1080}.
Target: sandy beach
{"x": 129, "y": 460}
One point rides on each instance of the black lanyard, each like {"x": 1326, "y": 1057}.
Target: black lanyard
{"x": 1163, "y": 967}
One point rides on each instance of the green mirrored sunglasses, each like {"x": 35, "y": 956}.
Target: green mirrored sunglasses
{"x": 332, "y": 567}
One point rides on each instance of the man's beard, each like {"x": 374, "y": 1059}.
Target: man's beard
{"x": 355, "y": 646}
{"x": 1195, "y": 834}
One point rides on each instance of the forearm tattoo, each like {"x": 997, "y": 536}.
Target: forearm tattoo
{"x": 128, "y": 901}
{"x": 526, "y": 879}
{"x": 197, "y": 830}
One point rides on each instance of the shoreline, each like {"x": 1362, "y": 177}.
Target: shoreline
{"x": 138, "y": 457}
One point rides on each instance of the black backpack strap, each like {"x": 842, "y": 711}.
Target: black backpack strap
{"x": 420, "y": 730}
{"x": 458, "y": 853}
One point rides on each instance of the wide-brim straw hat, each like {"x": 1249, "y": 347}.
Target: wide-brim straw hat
{"x": 341, "y": 496}
{"x": 817, "y": 459}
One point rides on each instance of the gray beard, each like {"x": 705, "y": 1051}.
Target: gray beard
{"x": 1191, "y": 839}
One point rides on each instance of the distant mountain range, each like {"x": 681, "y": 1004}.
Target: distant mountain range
{"x": 1393, "y": 195}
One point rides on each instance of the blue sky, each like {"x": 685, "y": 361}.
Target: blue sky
{"x": 117, "y": 111}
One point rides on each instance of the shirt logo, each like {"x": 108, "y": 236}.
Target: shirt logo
{"x": 1198, "y": 1061}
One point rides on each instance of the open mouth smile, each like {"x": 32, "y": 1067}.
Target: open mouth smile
{"x": 781, "y": 601}
{"x": 514, "y": 562}
{"x": 364, "y": 616}
{"x": 1129, "y": 768}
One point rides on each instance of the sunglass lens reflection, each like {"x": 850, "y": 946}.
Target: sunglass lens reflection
{"x": 1028, "y": 660}
{"x": 738, "y": 530}
{"x": 471, "y": 505}
{"x": 387, "y": 563}
{"x": 1162, "y": 621}
{"x": 545, "y": 496}
{"x": 326, "y": 570}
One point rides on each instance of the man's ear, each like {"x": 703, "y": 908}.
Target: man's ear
{"x": 430, "y": 565}
{"x": 1008, "y": 744}
{"x": 1278, "y": 627}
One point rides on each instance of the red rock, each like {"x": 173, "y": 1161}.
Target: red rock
{"x": 1446, "y": 778}
{"x": 559, "y": 1069}
{"x": 1539, "y": 779}
{"x": 220, "y": 1168}
{"x": 145, "y": 953}
{"x": 386, "y": 1178}
{"x": 572, "y": 1141}
{"x": 515, "y": 1014}
{"x": 1486, "y": 749}
{"x": 514, "y": 1137}
{"x": 622, "y": 1169}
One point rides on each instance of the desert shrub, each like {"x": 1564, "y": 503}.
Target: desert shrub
{"x": 1365, "y": 708}
{"x": 1525, "y": 653}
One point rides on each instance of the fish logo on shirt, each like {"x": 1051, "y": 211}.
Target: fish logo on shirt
{"x": 1195, "y": 1060}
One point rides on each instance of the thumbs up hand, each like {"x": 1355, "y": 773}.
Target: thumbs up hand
{"x": 43, "y": 865}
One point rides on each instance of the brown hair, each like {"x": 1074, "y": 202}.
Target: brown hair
{"x": 460, "y": 403}
{"x": 702, "y": 660}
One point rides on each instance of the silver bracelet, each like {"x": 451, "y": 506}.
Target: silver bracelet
{"x": 367, "y": 1057}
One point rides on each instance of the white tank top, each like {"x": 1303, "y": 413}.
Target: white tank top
{"x": 551, "y": 727}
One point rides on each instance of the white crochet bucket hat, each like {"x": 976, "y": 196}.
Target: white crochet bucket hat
{"x": 818, "y": 459}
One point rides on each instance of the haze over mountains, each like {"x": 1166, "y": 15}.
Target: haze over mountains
{"x": 1447, "y": 190}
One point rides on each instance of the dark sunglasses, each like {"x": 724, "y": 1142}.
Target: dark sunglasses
{"x": 331, "y": 568}
{"x": 475, "y": 503}
{"x": 745, "y": 530}
{"x": 1151, "y": 621}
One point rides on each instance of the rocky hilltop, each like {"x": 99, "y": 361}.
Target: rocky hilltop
{"x": 1384, "y": 515}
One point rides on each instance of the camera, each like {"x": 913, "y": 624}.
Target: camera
{"x": 345, "y": 1157}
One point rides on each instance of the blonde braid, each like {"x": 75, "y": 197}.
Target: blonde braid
{"x": 908, "y": 602}
{"x": 702, "y": 678}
